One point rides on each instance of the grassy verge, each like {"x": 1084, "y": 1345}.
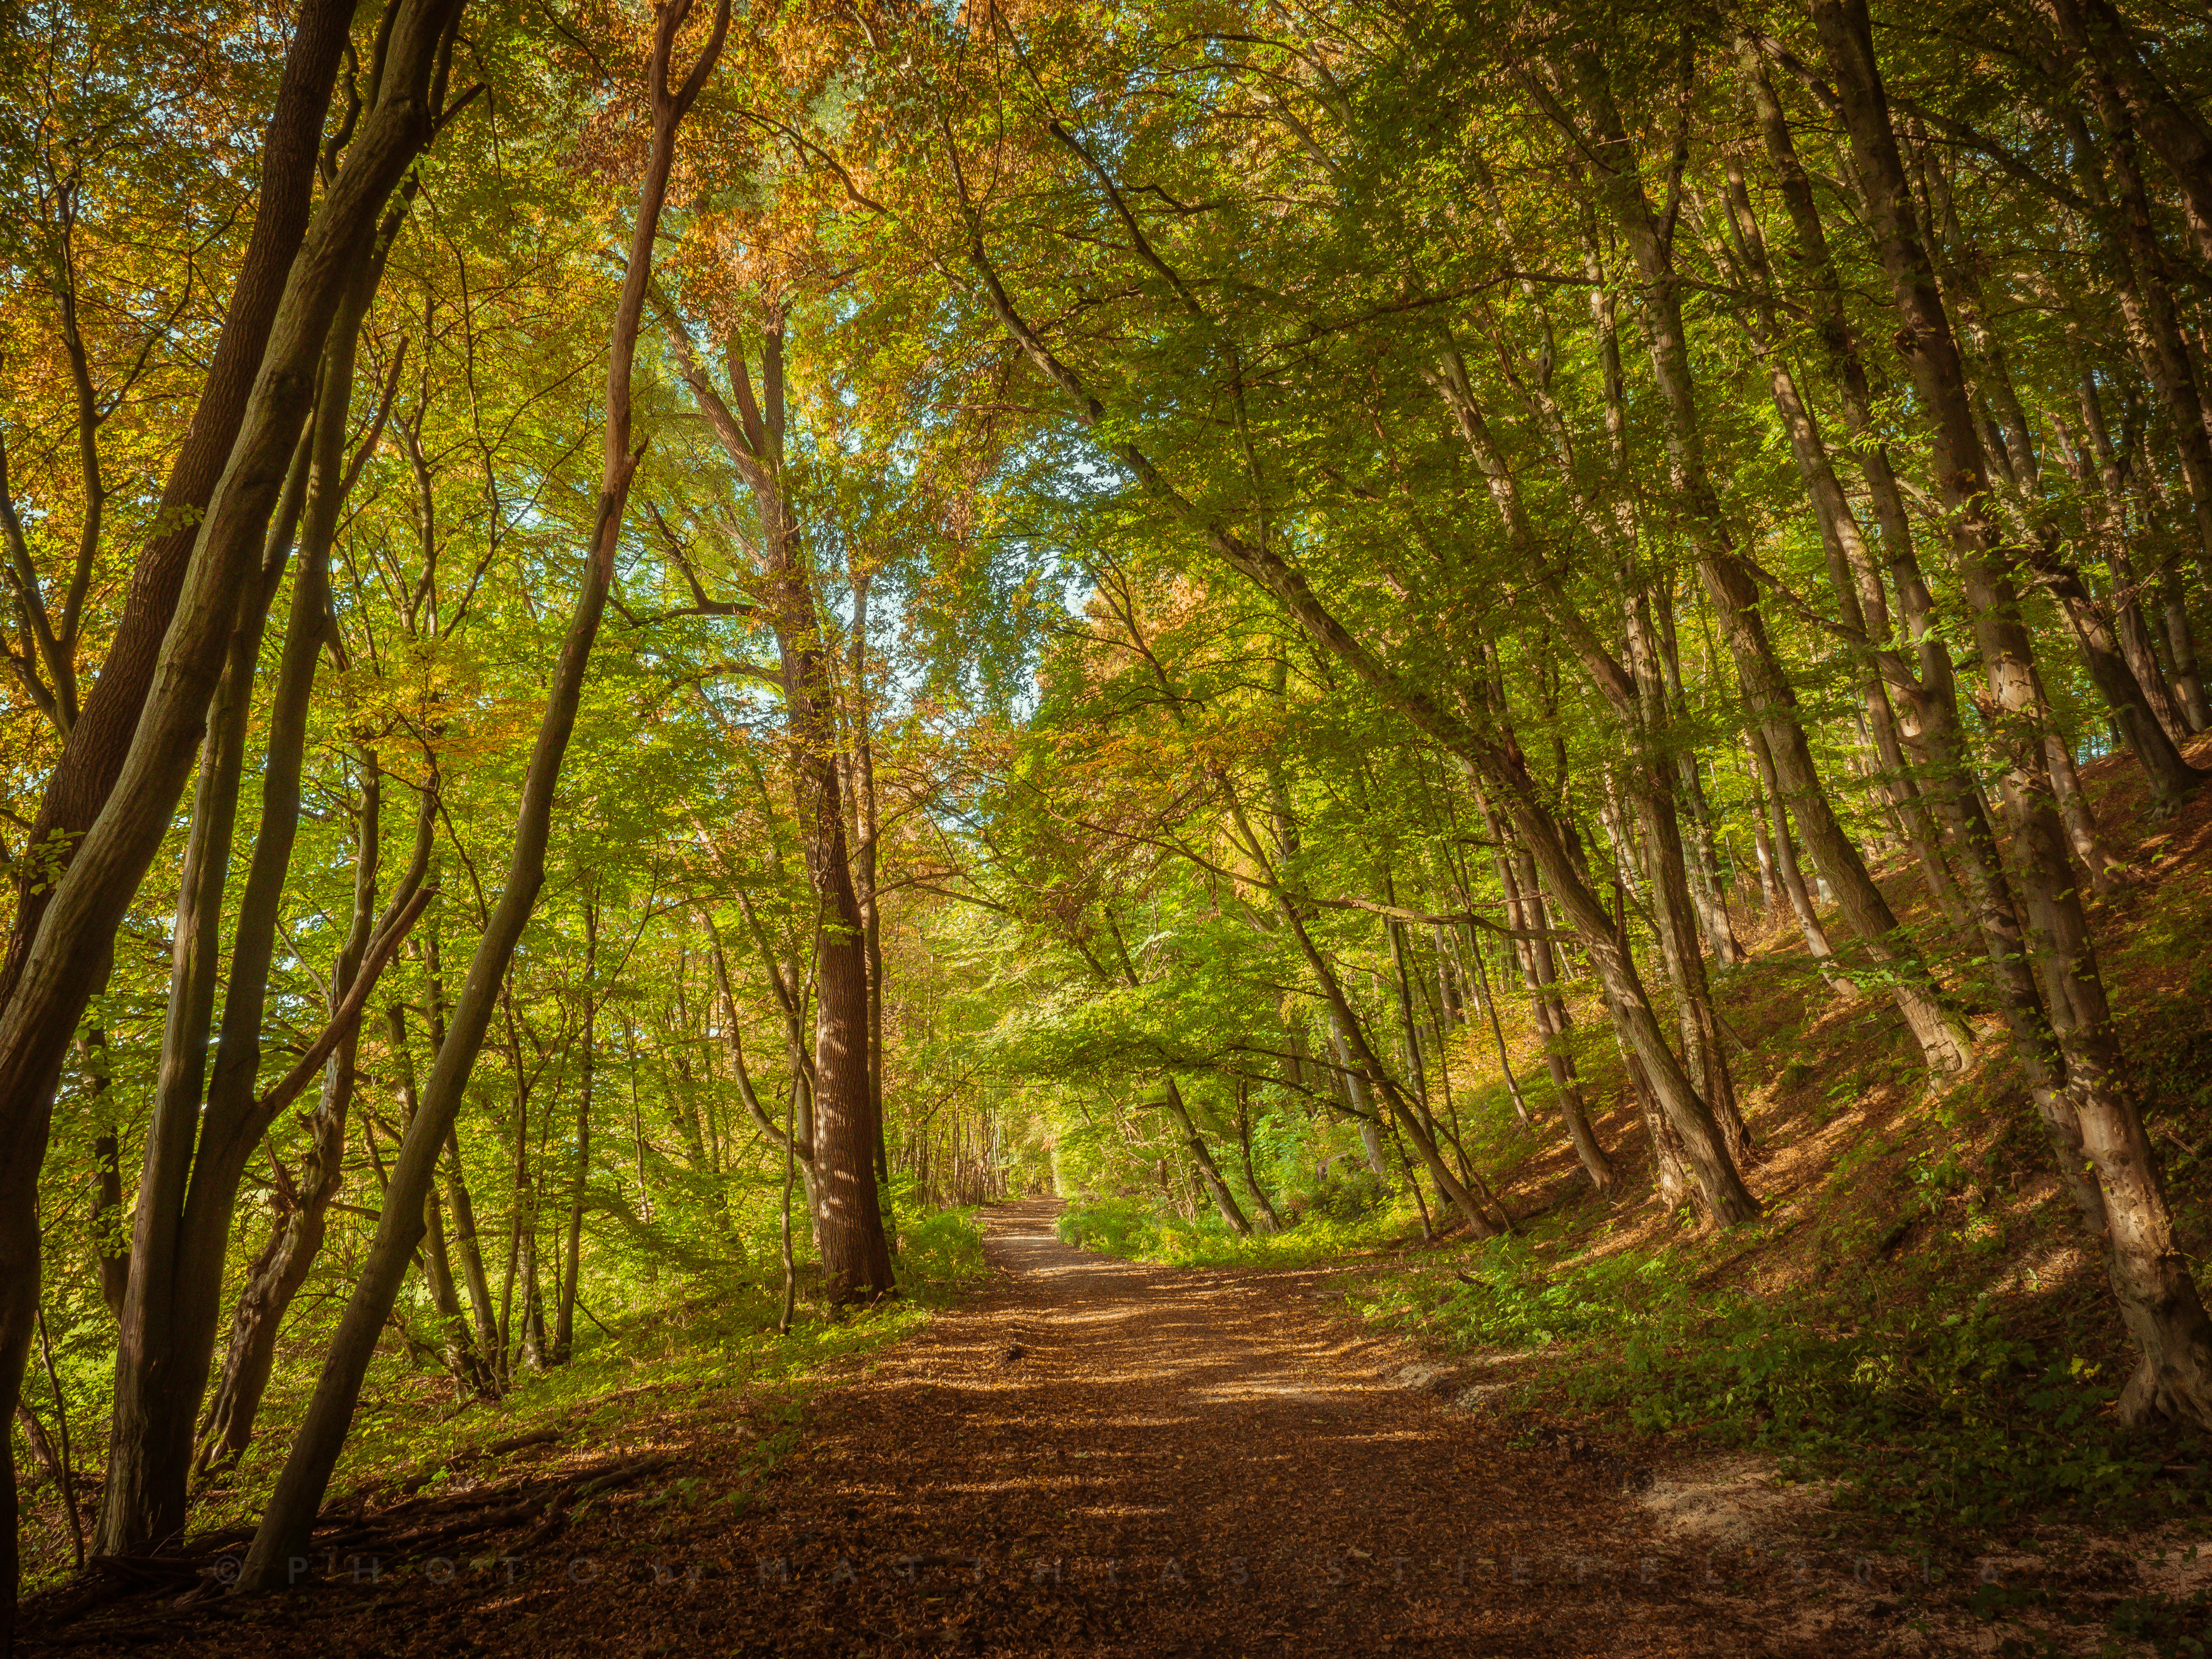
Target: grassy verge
{"x": 675, "y": 1351}
{"x": 1934, "y": 1404}
{"x": 1130, "y": 1229}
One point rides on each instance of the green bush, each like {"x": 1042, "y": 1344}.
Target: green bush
{"x": 940, "y": 1252}
{"x": 1126, "y": 1228}
{"x": 1117, "y": 1226}
{"x": 1354, "y": 1198}
{"x": 1925, "y": 1411}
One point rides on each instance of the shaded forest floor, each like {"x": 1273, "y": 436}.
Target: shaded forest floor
{"x": 1910, "y": 1361}
{"x": 1092, "y": 1456}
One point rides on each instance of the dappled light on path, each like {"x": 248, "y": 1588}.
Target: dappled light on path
{"x": 1092, "y": 1457}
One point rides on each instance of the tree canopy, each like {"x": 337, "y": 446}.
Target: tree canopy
{"x": 626, "y": 627}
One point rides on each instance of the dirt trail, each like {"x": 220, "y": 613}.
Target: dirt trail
{"x": 1101, "y": 1457}
{"x": 1096, "y": 1457}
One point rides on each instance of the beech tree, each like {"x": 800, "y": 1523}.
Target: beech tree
{"x": 1240, "y": 607}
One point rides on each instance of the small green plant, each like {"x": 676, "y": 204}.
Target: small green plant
{"x": 1927, "y": 1411}
{"x": 1114, "y": 1226}
{"x": 1127, "y": 1228}
{"x": 940, "y": 1253}
{"x": 1934, "y": 1178}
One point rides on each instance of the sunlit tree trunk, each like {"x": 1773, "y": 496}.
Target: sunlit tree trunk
{"x": 288, "y": 1517}
{"x": 1942, "y": 1037}
{"x": 572, "y": 1255}
{"x": 2150, "y": 1277}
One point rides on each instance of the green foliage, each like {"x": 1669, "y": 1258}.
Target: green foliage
{"x": 1929, "y": 1412}
{"x": 1129, "y": 1229}
{"x": 941, "y": 1255}
{"x": 1347, "y": 1199}
{"x": 1114, "y": 1226}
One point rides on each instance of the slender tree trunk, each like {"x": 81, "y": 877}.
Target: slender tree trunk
{"x": 1361, "y": 1098}
{"x": 461, "y": 1354}
{"x": 572, "y": 1260}
{"x": 133, "y": 742}
{"x": 2150, "y": 1277}
{"x": 200, "y": 1138}
{"x": 1944, "y": 1041}
{"x": 302, "y": 1203}
{"x": 1793, "y": 878}
{"x": 790, "y": 1159}
{"x": 870, "y": 829}
{"x": 457, "y": 1197}
{"x": 847, "y": 1201}
{"x": 1202, "y": 1162}
{"x": 1271, "y": 1221}
{"x": 110, "y": 1236}
{"x": 1850, "y": 562}
{"x": 288, "y": 1518}
{"x": 1524, "y": 912}
{"x": 2107, "y": 873}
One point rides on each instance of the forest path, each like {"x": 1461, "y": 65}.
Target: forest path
{"x": 1091, "y": 1456}
{"x": 1102, "y": 1457}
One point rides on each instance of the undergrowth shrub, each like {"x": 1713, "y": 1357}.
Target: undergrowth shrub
{"x": 940, "y": 1252}
{"x": 1927, "y": 1411}
{"x": 1349, "y": 1198}
{"x": 1127, "y": 1228}
{"x": 1117, "y": 1226}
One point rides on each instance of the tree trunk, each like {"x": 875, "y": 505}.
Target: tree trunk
{"x": 111, "y": 1239}
{"x": 1360, "y": 1098}
{"x": 1270, "y": 1220}
{"x": 206, "y": 1119}
{"x": 847, "y": 1201}
{"x": 101, "y": 737}
{"x": 2106, "y": 872}
{"x": 1944, "y": 1041}
{"x": 302, "y": 1204}
{"x": 288, "y": 1518}
{"x": 1524, "y": 912}
{"x": 1851, "y": 563}
{"x": 457, "y": 1197}
{"x": 1793, "y": 878}
{"x": 1201, "y": 1159}
{"x": 60, "y": 944}
{"x": 564, "y": 1322}
{"x": 461, "y": 1355}
{"x": 2149, "y": 1276}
